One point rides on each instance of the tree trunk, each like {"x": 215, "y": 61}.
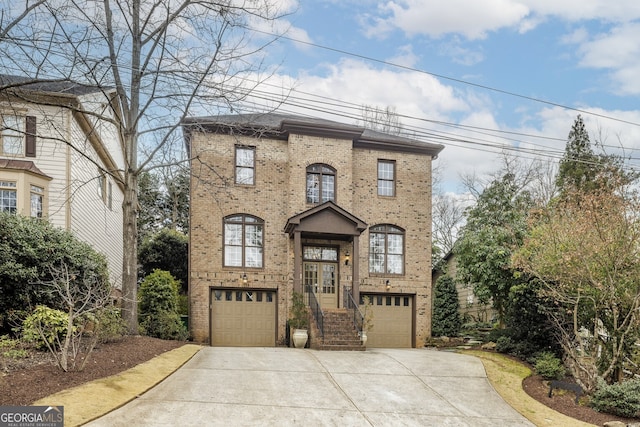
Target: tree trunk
{"x": 130, "y": 254}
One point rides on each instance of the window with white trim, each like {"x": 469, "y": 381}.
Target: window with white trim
{"x": 12, "y": 135}
{"x": 37, "y": 199}
{"x": 8, "y": 197}
{"x": 17, "y": 135}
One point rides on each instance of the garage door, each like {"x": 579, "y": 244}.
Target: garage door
{"x": 243, "y": 318}
{"x": 392, "y": 321}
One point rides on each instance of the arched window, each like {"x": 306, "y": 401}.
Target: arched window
{"x": 243, "y": 241}
{"x": 386, "y": 249}
{"x": 321, "y": 183}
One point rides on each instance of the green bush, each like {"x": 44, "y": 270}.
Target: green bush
{"x": 45, "y": 327}
{"x": 111, "y": 325}
{"x": 158, "y": 307}
{"x": 30, "y": 250}
{"x": 622, "y": 399}
{"x": 10, "y": 348}
{"x": 446, "y": 317}
{"x": 549, "y": 367}
{"x": 164, "y": 325}
{"x": 504, "y": 344}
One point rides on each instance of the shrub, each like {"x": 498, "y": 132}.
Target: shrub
{"x": 622, "y": 399}
{"x": 549, "y": 367}
{"x": 30, "y": 249}
{"x": 111, "y": 325}
{"x": 164, "y": 325}
{"x": 446, "y": 318}
{"x": 9, "y": 347}
{"x": 504, "y": 344}
{"x": 158, "y": 315}
{"x": 45, "y": 327}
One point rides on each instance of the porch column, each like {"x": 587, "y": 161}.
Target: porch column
{"x": 356, "y": 270}
{"x": 297, "y": 262}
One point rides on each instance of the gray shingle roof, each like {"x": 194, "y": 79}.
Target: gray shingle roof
{"x": 48, "y": 86}
{"x": 277, "y": 123}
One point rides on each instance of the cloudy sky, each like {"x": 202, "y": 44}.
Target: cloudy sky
{"x": 475, "y": 76}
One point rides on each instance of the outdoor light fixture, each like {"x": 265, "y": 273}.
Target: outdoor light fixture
{"x": 388, "y": 285}
{"x": 346, "y": 258}
{"x": 244, "y": 279}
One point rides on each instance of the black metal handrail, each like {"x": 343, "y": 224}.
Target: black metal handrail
{"x": 317, "y": 312}
{"x": 350, "y": 304}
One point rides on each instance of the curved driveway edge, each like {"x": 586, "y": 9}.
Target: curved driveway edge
{"x": 283, "y": 386}
{"x": 94, "y": 399}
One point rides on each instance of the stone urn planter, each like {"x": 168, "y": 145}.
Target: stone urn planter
{"x": 299, "y": 321}
{"x": 300, "y": 337}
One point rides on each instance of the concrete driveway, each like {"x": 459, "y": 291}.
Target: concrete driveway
{"x": 283, "y": 386}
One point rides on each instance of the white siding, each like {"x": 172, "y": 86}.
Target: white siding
{"x": 65, "y": 154}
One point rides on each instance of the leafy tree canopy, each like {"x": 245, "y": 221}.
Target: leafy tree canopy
{"x": 166, "y": 250}
{"x": 496, "y": 226}
{"x": 585, "y": 251}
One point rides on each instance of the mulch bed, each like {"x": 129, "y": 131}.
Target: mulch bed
{"x": 564, "y": 402}
{"x": 24, "y": 381}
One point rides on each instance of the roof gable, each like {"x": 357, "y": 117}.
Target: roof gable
{"x": 327, "y": 219}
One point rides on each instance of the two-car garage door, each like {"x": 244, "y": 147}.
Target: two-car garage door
{"x": 243, "y": 318}
{"x": 392, "y": 321}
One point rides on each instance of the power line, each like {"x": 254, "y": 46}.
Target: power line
{"x": 444, "y": 77}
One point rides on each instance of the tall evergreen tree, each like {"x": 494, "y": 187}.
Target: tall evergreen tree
{"x": 446, "y": 317}
{"x": 578, "y": 167}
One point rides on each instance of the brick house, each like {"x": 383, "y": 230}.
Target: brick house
{"x": 282, "y": 203}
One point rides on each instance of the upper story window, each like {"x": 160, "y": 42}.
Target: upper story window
{"x": 37, "y": 198}
{"x": 386, "y": 250}
{"x": 243, "y": 241}
{"x": 321, "y": 183}
{"x": 386, "y": 178}
{"x": 18, "y": 136}
{"x": 102, "y": 185}
{"x": 8, "y": 197}
{"x": 245, "y": 165}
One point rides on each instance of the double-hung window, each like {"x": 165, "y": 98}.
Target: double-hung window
{"x": 386, "y": 250}
{"x": 245, "y": 165}
{"x": 18, "y": 136}
{"x": 243, "y": 241}
{"x": 37, "y": 198}
{"x": 386, "y": 178}
{"x": 321, "y": 183}
{"x": 8, "y": 197}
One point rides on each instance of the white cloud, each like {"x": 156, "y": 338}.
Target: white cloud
{"x": 617, "y": 51}
{"x": 473, "y": 19}
{"x": 404, "y": 57}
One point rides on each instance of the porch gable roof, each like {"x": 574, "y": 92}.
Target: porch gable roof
{"x": 326, "y": 219}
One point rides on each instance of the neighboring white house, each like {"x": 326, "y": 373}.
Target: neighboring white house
{"x": 59, "y": 161}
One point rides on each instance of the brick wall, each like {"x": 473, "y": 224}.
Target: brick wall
{"x": 279, "y": 194}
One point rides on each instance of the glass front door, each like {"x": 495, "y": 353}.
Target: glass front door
{"x": 320, "y": 277}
